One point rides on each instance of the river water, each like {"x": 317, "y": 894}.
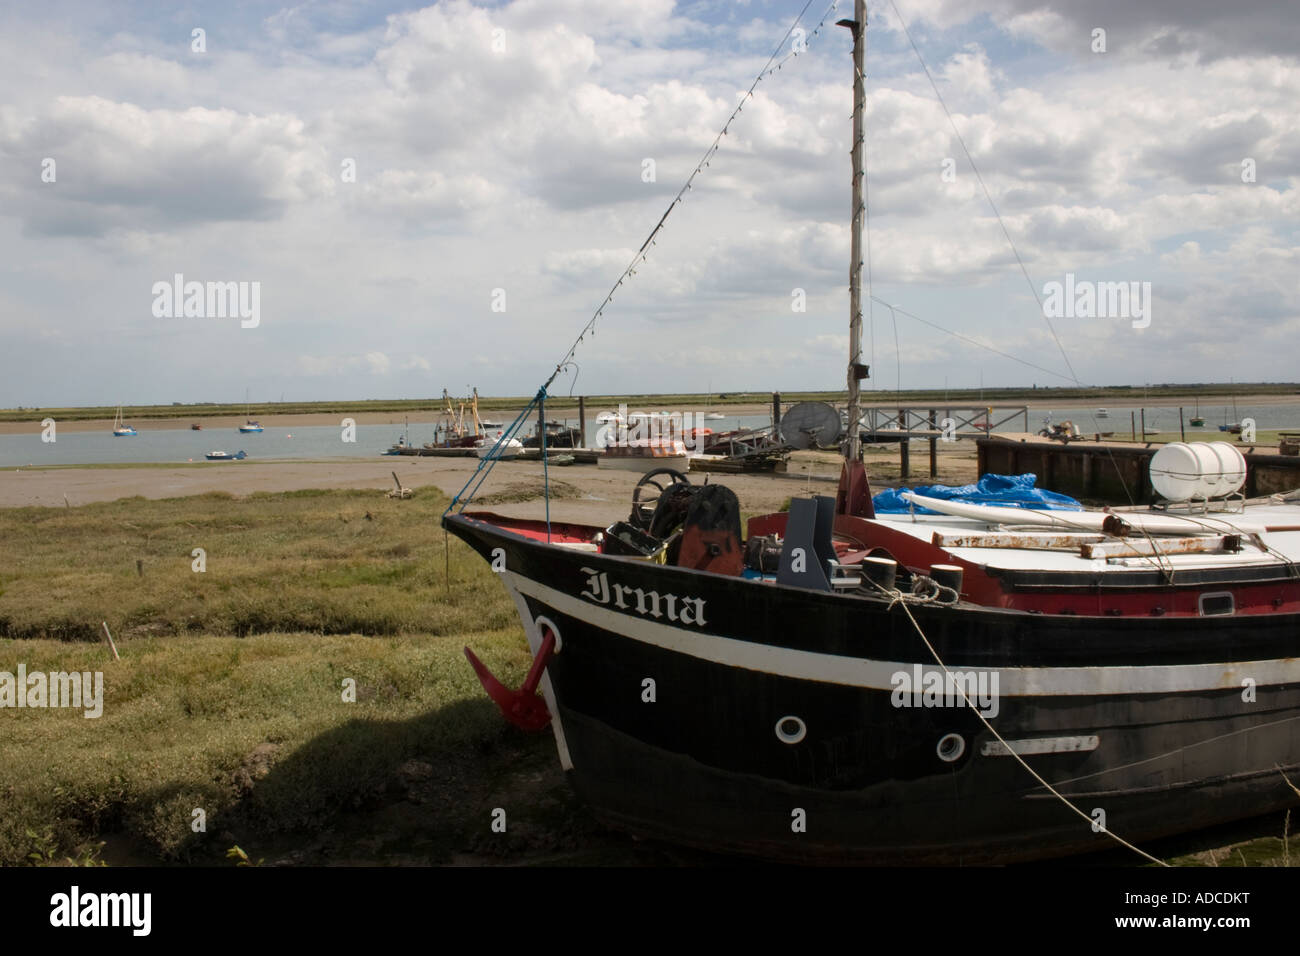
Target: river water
{"x": 167, "y": 445}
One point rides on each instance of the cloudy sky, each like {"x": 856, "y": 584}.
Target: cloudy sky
{"x": 391, "y": 175}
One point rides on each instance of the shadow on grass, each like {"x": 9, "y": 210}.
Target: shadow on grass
{"x": 422, "y": 791}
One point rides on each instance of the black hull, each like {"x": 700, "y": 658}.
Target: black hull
{"x": 1166, "y": 742}
{"x": 889, "y": 825}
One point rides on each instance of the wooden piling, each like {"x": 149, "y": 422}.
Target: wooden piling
{"x": 111, "y": 645}
{"x": 934, "y": 445}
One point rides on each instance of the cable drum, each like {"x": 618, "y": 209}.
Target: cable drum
{"x": 1181, "y": 471}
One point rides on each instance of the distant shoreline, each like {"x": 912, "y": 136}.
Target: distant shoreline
{"x": 1212, "y": 406}
{"x": 392, "y": 411}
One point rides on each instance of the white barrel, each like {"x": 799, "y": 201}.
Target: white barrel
{"x": 1181, "y": 471}
{"x": 1176, "y": 471}
{"x": 1232, "y": 467}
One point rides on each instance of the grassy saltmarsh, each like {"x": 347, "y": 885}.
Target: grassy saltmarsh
{"x": 229, "y": 694}
{"x": 229, "y": 697}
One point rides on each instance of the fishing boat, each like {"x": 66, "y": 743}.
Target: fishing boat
{"x": 963, "y": 684}
{"x": 120, "y": 428}
{"x": 225, "y": 456}
{"x": 558, "y": 435}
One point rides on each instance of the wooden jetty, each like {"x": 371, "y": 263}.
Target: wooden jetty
{"x": 934, "y": 424}
{"x": 583, "y": 456}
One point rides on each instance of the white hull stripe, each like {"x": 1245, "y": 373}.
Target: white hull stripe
{"x": 878, "y": 675}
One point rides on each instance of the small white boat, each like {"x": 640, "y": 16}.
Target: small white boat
{"x": 225, "y": 456}
{"x": 249, "y": 425}
{"x": 509, "y": 448}
{"x": 714, "y": 417}
{"x": 1102, "y": 413}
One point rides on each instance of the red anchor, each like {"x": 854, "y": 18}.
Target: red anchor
{"x": 522, "y": 707}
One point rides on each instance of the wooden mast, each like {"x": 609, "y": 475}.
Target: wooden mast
{"x": 857, "y": 371}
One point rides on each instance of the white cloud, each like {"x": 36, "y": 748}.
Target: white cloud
{"x": 120, "y": 166}
{"x": 522, "y": 169}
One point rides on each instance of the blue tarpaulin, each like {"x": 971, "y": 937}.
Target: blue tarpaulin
{"x": 1012, "y": 491}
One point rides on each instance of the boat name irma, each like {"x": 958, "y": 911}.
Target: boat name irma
{"x": 678, "y": 610}
{"x": 936, "y": 688}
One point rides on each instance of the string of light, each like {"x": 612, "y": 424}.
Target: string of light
{"x": 643, "y": 252}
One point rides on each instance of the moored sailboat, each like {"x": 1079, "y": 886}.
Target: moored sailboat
{"x": 250, "y": 426}
{"x": 120, "y": 428}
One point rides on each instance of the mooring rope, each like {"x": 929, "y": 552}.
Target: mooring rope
{"x": 897, "y": 597}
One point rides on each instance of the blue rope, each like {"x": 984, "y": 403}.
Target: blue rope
{"x": 546, "y": 474}
{"x": 487, "y": 462}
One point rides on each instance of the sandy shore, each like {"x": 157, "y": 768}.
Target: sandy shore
{"x": 605, "y": 495}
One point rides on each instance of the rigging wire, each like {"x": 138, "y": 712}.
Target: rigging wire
{"x": 489, "y": 461}
{"x": 1167, "y": 568}
{"x": 970, "y": 341}
{"x": 987, "y": 195}
{"x": 641, "y": 253}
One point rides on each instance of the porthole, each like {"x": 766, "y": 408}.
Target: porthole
{"x": 950, "y": 747}
{"x": 791, "y": 730}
